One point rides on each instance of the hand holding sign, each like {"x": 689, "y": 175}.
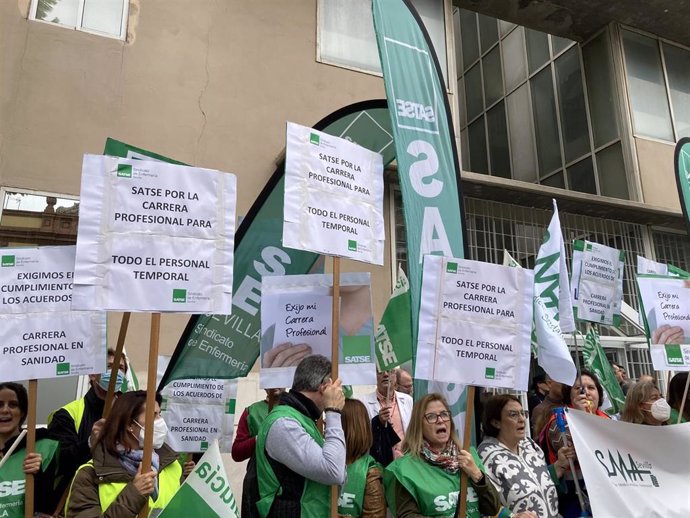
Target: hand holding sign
{"x": 668, "y": 335}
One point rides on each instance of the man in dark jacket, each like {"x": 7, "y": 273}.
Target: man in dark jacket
{"x": 295, "y": 464}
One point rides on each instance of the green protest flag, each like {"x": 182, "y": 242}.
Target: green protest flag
{"x": 682, "y": 167}
{"x": 596, "y": 361}
{"x": 206, "y": 492}
{"x": 394, "y": 332}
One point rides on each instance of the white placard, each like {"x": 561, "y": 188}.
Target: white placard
{"x": 197, "y": 411}
{"x": 647, "y": 266}
{"x": 665, "y": 302}
{"x": 333, "y": 196}
{"x": 475, "y": 322}
{"x": 597, "y": 285}
{"x": 296, "y": 323}
{"x": 40, "y": 337}
{"x": 154, "y": 236}
{"x": 633, "y": 469}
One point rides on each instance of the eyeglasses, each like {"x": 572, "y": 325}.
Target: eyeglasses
{"x": 432, "y": 418}
{"x": 513, "y": 414}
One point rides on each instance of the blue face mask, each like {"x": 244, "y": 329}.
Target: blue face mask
{"x": 105, "y": 381}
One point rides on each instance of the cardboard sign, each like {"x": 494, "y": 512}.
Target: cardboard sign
{"x": 296, "y": 322}
{"x": 154, "y": 236}
{"x": 475, "y": 323}
{"x": 40, "y": 336}
{"x": 333, "y": 196}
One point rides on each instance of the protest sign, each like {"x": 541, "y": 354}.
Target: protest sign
{"x": 199, "y": 411}
{"x": 206, "y": 492}
{"x": 597, "y": 284}
{"x": 296, "y": 322}
{"x": 394, "y": 332}
{"x": 632, "y": 469}
{"x": 595, "y": 360}
{"x": 40, "y": 337}
{"x": 647, "y": 266}
{"x": 665, "y": 302}
{"x": 154, "y": 236}
{"x": 475, "y": 323}
{"x": 333, "y": 196}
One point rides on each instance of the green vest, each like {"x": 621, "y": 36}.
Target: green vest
{"x": 256, "y": 414}
{"x": 435, "y": 491}
{"x": 76, "y": 411}
{"x": 315, "y": 501}
{"x": 168, "y": 484}
{"x": 351, "y": 498}
{"x": 12, "y": 478}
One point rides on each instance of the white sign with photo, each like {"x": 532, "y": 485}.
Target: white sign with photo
{"x": 296, "y": 322}
{"x": 154, "y": 236}
{"x": 665, "y": 302}
{"x": 475, "y": 323}
{"x": 333, "y": 196}
{"x": 40, "y": 336}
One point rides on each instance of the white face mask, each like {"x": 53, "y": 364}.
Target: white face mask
{"x": 660, "y": 410}
{"x": 160, "y": 433}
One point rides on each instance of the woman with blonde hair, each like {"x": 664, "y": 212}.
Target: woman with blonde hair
{"x": 362, "y": 495}
{"x": 425, "y": 481}
{"x": 644, "y": 405}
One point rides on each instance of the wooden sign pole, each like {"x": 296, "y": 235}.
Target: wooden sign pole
{"x": 335, "y": 350}
{"x": 466, "y": 445}
{"x": 150, "y": 400}
{"x": 124, "y": 324}
{"x": 30, "y": 447}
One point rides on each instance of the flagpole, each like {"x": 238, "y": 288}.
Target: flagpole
{"x": 335, "y": 349}
{"x": 30, "y": 447}
{"x": 466, "y": 445}
{"x": 682, "y": 401}
{"x": 124, "y": 324}
{"x": 12, "y": 448}
{"x": 150, "y": 400}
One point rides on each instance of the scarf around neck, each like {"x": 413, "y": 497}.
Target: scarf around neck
{"x": 447, "y": 459}
{"x": 131, "y": 460}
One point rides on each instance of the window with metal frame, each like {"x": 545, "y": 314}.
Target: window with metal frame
{"x": 101, "y": 17}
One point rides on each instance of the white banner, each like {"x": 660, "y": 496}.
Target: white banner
{"x": 665, "y": 302}
{"x": 475, "y": 323}
{"x": 631, "y": 469}
{"x": 333, "y": 196}
{"x": 154, "y": 236}
{"x": 296, "y": 322}
{"x": 597, "y": 284}
{"x": 40, "y": 337}
{"x": 198, "y": 411}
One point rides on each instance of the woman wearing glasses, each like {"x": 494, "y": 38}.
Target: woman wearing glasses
{"x": 516, "y": 464}
{"x": 425, "y": 481}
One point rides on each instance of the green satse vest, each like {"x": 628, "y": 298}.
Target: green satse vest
{"x": 256, "y": 414}
{"x": 168, "y": 484}
{"x": 435, "y": 491}
{"x": 315, "y": 501}
{"x": 12, "y": 478}
{"x": 351, "y": 498}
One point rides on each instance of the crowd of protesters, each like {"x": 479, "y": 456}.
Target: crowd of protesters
{"x": 388, "y": 455}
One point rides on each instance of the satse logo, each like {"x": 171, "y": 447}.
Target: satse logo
{"x": 413, "y": 110}
{"x": 11, "y": 488}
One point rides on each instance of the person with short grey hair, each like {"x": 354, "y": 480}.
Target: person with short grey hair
{"x": 295, "y": 463}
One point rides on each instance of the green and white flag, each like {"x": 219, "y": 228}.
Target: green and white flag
{"x": 394, "y": 333}
{"x": 682, "y": 166}
{"x": 206, "y": 492}
{"x": 596, "y": 361}
{"x": 509, "y": 260}
{"x": 553, "y": 311}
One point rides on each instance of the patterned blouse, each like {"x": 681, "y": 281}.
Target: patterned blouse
{"x": 522, "y": 479}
